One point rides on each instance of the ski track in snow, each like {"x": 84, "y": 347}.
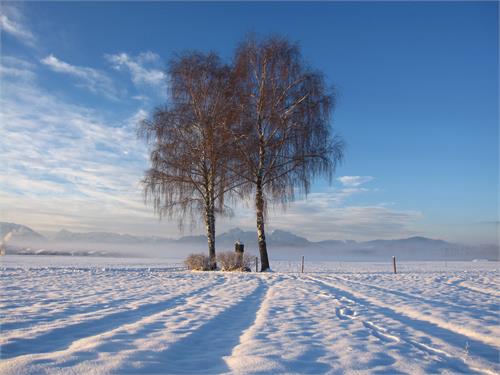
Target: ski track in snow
{"x": 417, "y": 330}
{"x": 122, "y": 320}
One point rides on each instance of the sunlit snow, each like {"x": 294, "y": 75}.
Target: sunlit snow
{"x": 100, "y": 315}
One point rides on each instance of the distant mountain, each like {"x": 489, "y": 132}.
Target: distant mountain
{"x": 412, "y": 241}
{"x": 19, "y": 233}
{"x": 330, "y": 243}
{"x": 249, "y": 238}
{"x": 236, "y": 234}
{"x": 94, "y": 237}
{"x": 278, "y": 237}
{"x": 105, "y": 237}
{"x": 284, "y": 238}
{"x": 283, "y": 245}
{"x": 199, "y": 239}
{"x": 413, "y": 248}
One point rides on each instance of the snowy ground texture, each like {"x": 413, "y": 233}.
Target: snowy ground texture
{"x": 102, "y": 316}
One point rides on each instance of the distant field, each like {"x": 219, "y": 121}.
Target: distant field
{"x": 104, "y": 315}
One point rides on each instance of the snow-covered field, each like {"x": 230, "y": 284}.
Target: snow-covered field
{"x": 94, "y": 316}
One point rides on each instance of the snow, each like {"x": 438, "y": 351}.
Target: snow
{"x": 116, "y": 316}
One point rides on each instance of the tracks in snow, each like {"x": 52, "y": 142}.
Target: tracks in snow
{"x": 413, "y": 313}
{"x": 412, "y": 298}
{"x": 251, "y": 323}
{"x": 187, "y": 333}
{"x": 203, "y": 349}
{"x": 356, "y": 305}
{"x": 62, "y": 337}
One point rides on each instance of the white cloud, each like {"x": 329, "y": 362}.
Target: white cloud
{"x": 17, "y": 62}
{"x": 140, "y": 73}
{"x": 148, "y": 57}
{"x": 140, "y": 115}
{"x": 15, "y": 68}
{"x": 320, "y": 217}
{"x": 92, "y": 79}
{"x": 354, "y": 180}
{"x": 12, "y": 22}
{"x": 351, "y": 222}
{"x": 140, "y": 98}
{"x": 65, "y": 165}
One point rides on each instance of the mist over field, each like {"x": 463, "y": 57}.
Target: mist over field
{"x": 284, "y": 246}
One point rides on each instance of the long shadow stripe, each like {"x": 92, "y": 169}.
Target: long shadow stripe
{"x": 61, "y": 338}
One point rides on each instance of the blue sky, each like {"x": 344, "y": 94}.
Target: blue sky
{"x": 417, "y": 107}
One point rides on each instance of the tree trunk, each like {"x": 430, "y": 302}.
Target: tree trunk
{"x": 213, "y": 258}
{"x": 210, "y": 229}
{"x": 259, "y": 203}
{"x": 261, "y": 234}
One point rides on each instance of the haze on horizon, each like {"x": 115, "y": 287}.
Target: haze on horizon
{"x": 418, "y": 108}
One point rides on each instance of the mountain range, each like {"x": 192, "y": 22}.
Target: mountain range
{"x": 284, "y": 245}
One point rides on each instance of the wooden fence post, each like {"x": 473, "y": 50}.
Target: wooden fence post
{"x": 256, "y": 264}
{"x": 394, "y": 264}
{"x": 302, "y": 268}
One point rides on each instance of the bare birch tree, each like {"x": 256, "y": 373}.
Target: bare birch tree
{"x": 284, "y": 136}
{"x": 188, "y": 140}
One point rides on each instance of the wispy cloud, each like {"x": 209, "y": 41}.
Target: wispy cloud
{"x": 327, "y": 215}
{"x": 142, "y": 68}
{"x": 65, "y": 165}
{"x": 12, "y": 67}
{"x": 321, "y": 217}
{"x": 92, "y": 79}
{"x": 13, "y": 22}
{"x": 313, "y": 219}
{"x": 354, "y": 180}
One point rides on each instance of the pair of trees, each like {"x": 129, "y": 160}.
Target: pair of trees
{"x": 258, "y": 127}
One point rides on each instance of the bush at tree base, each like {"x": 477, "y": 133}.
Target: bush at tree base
{"x": 197, "y": 262}
{"x": 231, "y": 261}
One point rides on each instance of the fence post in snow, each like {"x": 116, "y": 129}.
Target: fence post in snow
{"x": 394, "y": 264}
{"x": 256, "y": 264}
{"x": 302, "y": 268}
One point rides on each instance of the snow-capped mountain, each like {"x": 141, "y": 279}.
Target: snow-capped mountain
{"x": 19, "y": 233}
{"x": 282, "y": 245}
{"x": 236, "y": 234}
